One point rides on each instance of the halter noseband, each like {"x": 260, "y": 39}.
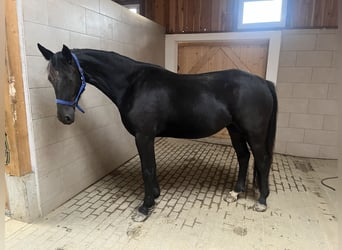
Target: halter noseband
{"x": 80, "y": 91}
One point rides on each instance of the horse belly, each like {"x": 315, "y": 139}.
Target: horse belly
{"x": 186, "y": 133}
{"x": 197, "y": 124}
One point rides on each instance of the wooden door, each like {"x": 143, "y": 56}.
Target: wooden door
{"x": 200, "y": 57}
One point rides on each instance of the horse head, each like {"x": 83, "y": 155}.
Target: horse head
{"x": 67, "y": 79}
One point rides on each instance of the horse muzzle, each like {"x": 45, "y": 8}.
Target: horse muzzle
{"x": 66, "y": 116}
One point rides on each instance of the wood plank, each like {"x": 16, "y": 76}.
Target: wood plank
{"x": 318, "y": 15}
{"x": 180, "y": 16}
{"x": 204, "y": 59}
{"x": 188, "y": 56}
{"x": 325, "y": 14}
{"x": 16, "y": 121}
{"x": 235, "y": 59}
{"x": 232, "y": 15}
{"x": 222, "y": 14}
{"x": 312, "y": 14}
{"x": 220, "y": 62}
{"x": 300, "y": 13}
{"x": 189, "y": 16}
{"x": 196, "y": 20}
{"x": 159, "y": 11}
{"x": 12, "y": 167}
{"x": 205, "y": 15}
{"x": 172, "y": 17}
{"x": 214, "y": 22}
{"x": 331, "y": 14}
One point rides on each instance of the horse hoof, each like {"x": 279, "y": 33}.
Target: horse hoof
{"x": 157, "y": 200}
{"x": 139, "y": 217}
{"x": 232, "y": 197}
{"x": 142, "y": 213}
{"x": 258, "y": 207}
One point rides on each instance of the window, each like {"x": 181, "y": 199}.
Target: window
{"x": 261, "y": 14}
{"x": 135, "y": 8}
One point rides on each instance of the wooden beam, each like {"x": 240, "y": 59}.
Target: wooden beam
{"x": 15, "y": 109}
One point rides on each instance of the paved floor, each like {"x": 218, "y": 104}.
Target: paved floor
{"x": 191, "y": 213}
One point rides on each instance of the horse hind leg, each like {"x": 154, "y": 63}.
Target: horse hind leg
{"x": 243, "y": 155}
{"x": 262, "y": 167}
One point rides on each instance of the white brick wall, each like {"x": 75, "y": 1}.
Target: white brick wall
{"x": 70, "y": 158}
{"x": 306, "y": 87}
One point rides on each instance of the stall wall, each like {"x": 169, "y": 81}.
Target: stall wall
{"x": 307, "y": 92}
{"x": 67, "y": 159}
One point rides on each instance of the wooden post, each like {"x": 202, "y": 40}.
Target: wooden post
{"x": 3, "y": 193}
{"x": 15, "y": 110}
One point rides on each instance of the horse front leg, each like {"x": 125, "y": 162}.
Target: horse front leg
{"x": 145, "y": 146}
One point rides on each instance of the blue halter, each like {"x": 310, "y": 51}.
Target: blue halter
{"x": 80, "y": 91}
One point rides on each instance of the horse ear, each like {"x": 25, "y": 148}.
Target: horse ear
{"x": 67, "y": 54}
{"x": 45, "y": 52}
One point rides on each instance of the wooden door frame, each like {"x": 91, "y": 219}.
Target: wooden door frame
{"x": 15, "y": 107}
{"x": 3, "y": 191}
{"x": 274, "y": 37}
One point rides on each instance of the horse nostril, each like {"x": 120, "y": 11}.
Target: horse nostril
{"x": 67, "y": 118}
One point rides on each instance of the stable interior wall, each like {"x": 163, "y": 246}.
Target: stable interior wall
{"x": 307, "y": 92}
{"x": 67, "y": 159}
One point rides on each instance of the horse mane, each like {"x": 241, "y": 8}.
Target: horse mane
{"x": 115, "y": 54}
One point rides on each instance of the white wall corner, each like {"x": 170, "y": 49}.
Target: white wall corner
{"x": 27, "y": 100}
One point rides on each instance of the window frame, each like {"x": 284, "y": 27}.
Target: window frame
{"x": 261, "y": 25}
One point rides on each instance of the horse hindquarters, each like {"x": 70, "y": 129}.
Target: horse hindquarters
{"x": 262, "y": 149}
{"x": 261, "y": 141}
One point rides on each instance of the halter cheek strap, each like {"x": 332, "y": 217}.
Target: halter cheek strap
{"x": 80, "y": 91}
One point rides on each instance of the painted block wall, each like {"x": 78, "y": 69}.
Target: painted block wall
{"x": 67, "y": 159}
{"x": 307, "y": 92}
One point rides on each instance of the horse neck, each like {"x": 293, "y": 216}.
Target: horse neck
{"x": 107, "y": 71}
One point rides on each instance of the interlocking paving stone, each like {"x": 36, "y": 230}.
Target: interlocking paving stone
{"x": 191, "y": 212}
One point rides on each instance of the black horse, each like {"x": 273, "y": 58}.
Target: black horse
{"x": 154, "y": 102}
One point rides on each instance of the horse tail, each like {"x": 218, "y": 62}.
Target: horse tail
{"x": 272, "y": 127}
